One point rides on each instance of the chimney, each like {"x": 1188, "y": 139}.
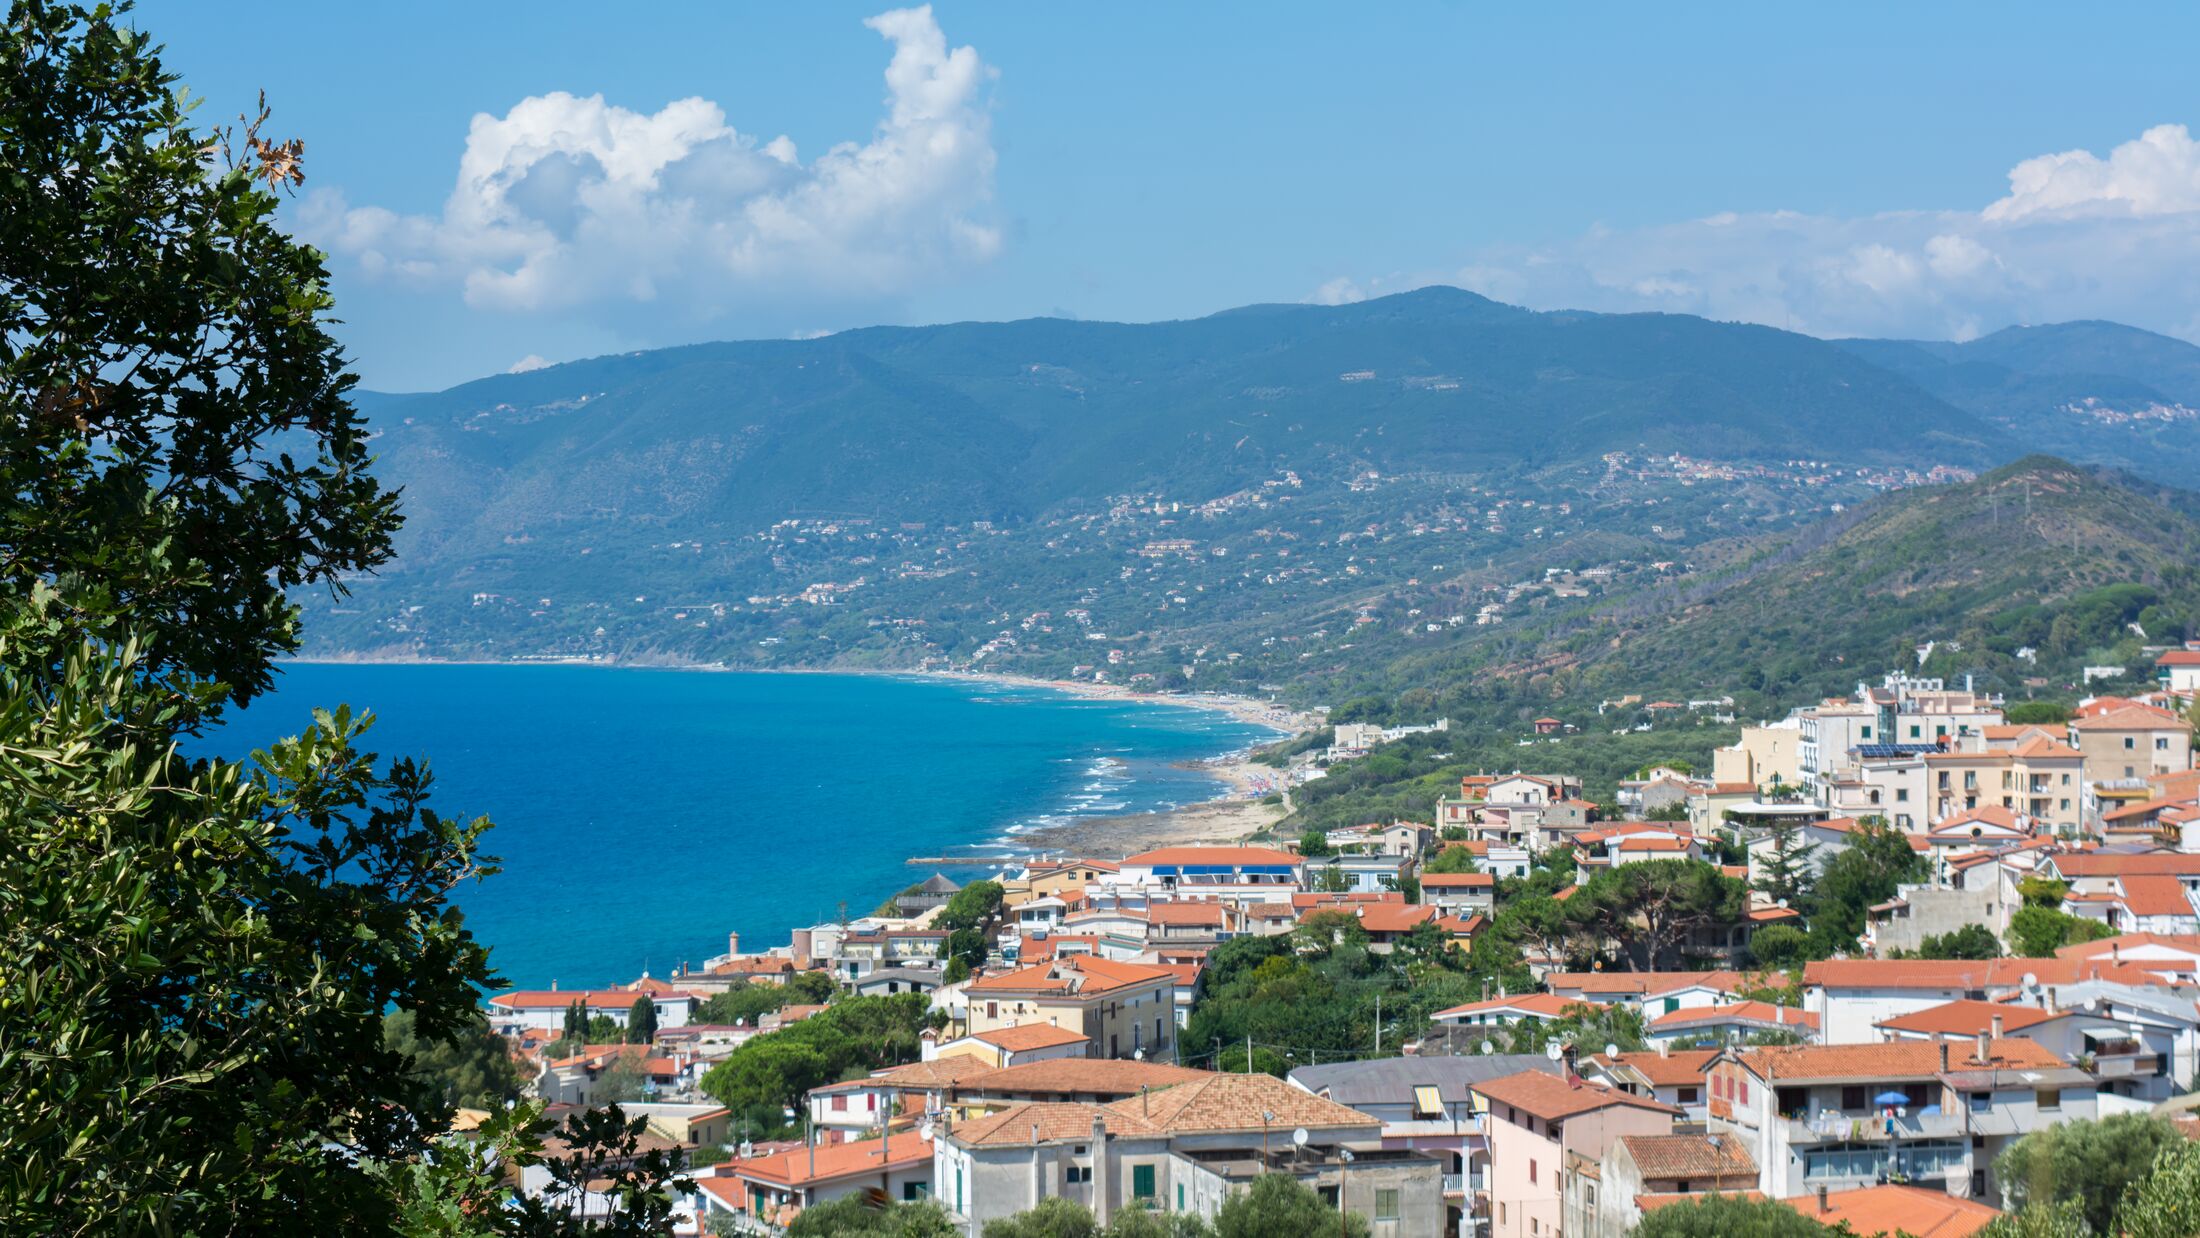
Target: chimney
{"x": 1997, "y": 1026}
{"x": 1985, "y": 1049}
{"x": 2115, "y": 951}
{"x": 1665, "y": 1048}
{"x": 553, "y": 986}
{"x": 1823, "y": 1207}
{"x": 1944, "y": 1056}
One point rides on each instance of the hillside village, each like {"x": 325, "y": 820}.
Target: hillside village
{"x": 1881, "y": 942}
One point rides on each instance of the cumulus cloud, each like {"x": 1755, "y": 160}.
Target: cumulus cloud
{"x": 2076, "y": 236}
{"x": 567, "y": 202}
{"x": 1339, "y": 291}
{"x": 530, "y": 363}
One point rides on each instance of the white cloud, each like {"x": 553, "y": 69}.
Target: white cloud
{"x": 568, "y": 202}
{"x": 2078, "y": 236}
{"x": 530, "y": 363}
{"x": 1339, "y": 291}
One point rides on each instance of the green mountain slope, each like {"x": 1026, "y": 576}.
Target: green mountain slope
{"x": 2094, "y": 391}
{"x": 2019, "y": 578}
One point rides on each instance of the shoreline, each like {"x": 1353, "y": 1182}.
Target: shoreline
{"x": 1227, "y": 817}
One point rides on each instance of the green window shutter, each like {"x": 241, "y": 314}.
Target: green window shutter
{"x": 1142, "y": 1182}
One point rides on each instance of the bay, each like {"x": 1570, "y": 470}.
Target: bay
{"x": 643, "y": 814}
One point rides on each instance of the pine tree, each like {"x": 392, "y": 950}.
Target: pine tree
{"x": 641, "y": 1022}
{"x": 1789, "y": 866}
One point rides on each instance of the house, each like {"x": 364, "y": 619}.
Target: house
{"x": 1507, "y": 1011}
{"x": 1732, "y": 1022}
{"x": 933, "y": 891}
{"x": 1230, "y": 874}
{"x": 1426, "y": 1104}
{"x": 1460, "y": 893}
{"x": 2139, "y": 903}
{"x": 1182, "y": 1149}
{"x": 1096, "y": 1081}
{"x": 1543, "y": 1131}
{"x": 2132, "y": 742}
{"x": 1873, "y": 1211}
{"x": 1851, "y": 997}
{"x": 772, "y": 1190}
{"x": 1933, "y": 1112}
{"x": 1667, "y": 1075}
{"x": 513, "y": 1012}
{"x": 1011, "y": 1046}
{"x": 1122, "y": 1009}
{"x": 1357, "y": 873}
{"x": 2179, "y": 669}
{"x": 2132, "y": 1050}
{"x": 887, "y": 981}
{"x": 1548, "y": 726}
{"x": 574, "y": 1079}
{"x": 2038, "y": 777}
{"x": 1639, "y": 1170}
{"x": 1651, "y": 992}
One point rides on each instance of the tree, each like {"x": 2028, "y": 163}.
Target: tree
{"x": 1779, "y": 946}
{"x": 1789, "y": 865}
{"x": 1877, "y": 860}
{"x": 1652, "y": 905}
{"x": 1728, "y": 1216}
{"x": 854, "y": 1216}
{"x": 1452, "y": 860}
{"x": 1972, "y": 941}
{"x": 973, "y": 906}
{"x": 1055, "y": 1217}
{"x": 641, "y": 1021}
{"x": 200, "y": 953}
{"x": 1586, "y": 1025}
{"x": 1277, "y": 1206}
{"x": 624, "y": 1081}
{"x": 1314, "y": 843}
{"x": 2094, "y": 1162}
{"x": 1331, "y": 880}
{"x": 576, "y": 1023}
{"x": 2166, "y": 1203}
{"x": 472, "y": 1070}
{"x": 2047, "y": 1218}
{"x": 2037, "y": 932}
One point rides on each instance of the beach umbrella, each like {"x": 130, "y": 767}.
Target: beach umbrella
{"x": 1891, "y": 1098}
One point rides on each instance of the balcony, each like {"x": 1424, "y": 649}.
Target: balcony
{"x": 1870, "y": 1126}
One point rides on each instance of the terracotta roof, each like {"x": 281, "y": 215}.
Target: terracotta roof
{"x": 1689, "y": 1156}
{"x": 2107, "y": 946}
{"x": 1736, "y": 1012}
{"x": 1993, "y": 814}
{"x": 1912, "y": 1059}
{"x": 1081, "y": 975}
{"x": 1236, "y": 1103}
{"x": 2093, "y": 864}
{"x": 1676, "y": 1068}
{"x": 2154, "y": 894}
{"x": 1080, "y": 1076}
{"x": 597, "y": 999}
{"x": 1029, "y": 1036}
{"x": 1393, "y": 917}
{"x": 1898, "y": 1210}
{"x": 1458, "y": 881}
{"x": 935, "y": 1074}
{"x": 1185, "y": 913}
{"x": 834, "y": 1160}
{"x": 1964, "y": 973}
{"x": 1536, "y": 1005}
{"x": 1966, "y": 1018}
{"x": 1550, "y": 1097}
{"x": 1056, "y": 1121}
{"x": 2131, "y": 718}
{"x": 2179, "y": 657}
{"x": 1646, "y": 983}
{"x": 1653, "y": 844}
{"x": 1232, "y": 856}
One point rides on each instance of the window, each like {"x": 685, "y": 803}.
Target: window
{"x": 1077, "y": 1174}
{"x": 1852, "y": 1097}
{"x": 1531, "y": 1171}
{"x": 1427, "y": 1101}
{"x": 1687, "y": 1096}
{"x": 1914, "y": 731}
{"x": 1142, "y": 1182}
{"x": 1744, "y": 1086}
{"x": 2130, "y": 742}
{"x": 1901, "y": 795}
{"x": 1386, "y": 1204}
{"x": 1180, "y": 1197}
{"x": 840, "y": 1103}
{"x": 2049, "y": 1098}
{"x": 992, "y": 1010}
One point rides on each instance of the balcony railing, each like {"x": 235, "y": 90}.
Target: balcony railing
{"x": 1835, "y": 1125}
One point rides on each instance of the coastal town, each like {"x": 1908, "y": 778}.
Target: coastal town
{"x": 1667, "y": 997}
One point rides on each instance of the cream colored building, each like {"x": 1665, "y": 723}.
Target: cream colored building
{"x": 1121, "y": 1009}
{"x": 2133, "y": 742}
{"x": 1763, "y": 755}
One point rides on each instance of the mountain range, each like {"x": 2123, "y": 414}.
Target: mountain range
{"x": 1287, "y": 494}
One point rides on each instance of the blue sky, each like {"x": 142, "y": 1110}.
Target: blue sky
{"x": 1844, "y": 171}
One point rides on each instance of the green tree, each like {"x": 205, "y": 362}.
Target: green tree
{"x": 624, "y": 1081}
{"x": 1055, "y": 1217}
{"x": 1331, "y": 880}
{"x": 2048, "y": 1218}
{"x": 641, "y": 1022}
{"x": 1789, "y": 865}
{"x": 1278, "y": 1206}
{"x": 1652, "y": 906}
{"x": 973, "y": 906}
{"x": 2166, "y": 1202}
{"x": 2096, "y": 1163}
{"x": 1452, "y": 860}
{"x": 1779, "y": 946}
{"x": 1729, "y": 1216}
{"x": 1972, "y": 941}
{"x": 854, "y": 1216}
{"x": 1314, "y": 843}
{"x": 1586, "y": 1025}
{"x": 1877, "y": 860}
{"x": 473, "y": 1069}
{"x": 576, "y": 1023}
{"x": 2037, "y": 932}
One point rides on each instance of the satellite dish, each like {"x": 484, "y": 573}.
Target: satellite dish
{"x": 1487, "y": 1047}
{"x": 1300, "y": 1136}
{"x": 2031, "y": 981}
{"x": 1554, "y": 1051}
{"x": 924, "y": 1130}
{"x": 1611, "y": 1049}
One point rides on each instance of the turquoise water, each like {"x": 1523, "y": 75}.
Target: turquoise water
{"x": 641, "y": 814}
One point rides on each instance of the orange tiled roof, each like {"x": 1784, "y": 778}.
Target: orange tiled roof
{"x": 559, "y": 999}
{"x": 2131, "y": 717}
{"x": 1914, "y": 1059}
{"x": 1911, "y": 1210}
{"x": 1549, "y": 1097}
{"x": 1646, "y": 983}
{"x": 1055, "y": 1122}
{"x": 1966, "y": 1018}
{"x": 1029, "y": 1036}
{"x": 1689, "y": 1156}
{"x": 1236, "y": 1103}
{"x": 1081, "y": 1076}
{"x": 1537, "y": 1005}
{"x": 1759, "y": 1012}
{"x": 1081, "y": 975}
{"x": 1676, "y": 1068}
{"x": 1213, "y": 855}
{"x": 2155, "y": 894}
{"x": 834, "y": 1160}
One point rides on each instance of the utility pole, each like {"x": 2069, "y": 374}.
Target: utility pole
{"x": 1378, "y": 1025}
{"x": 1249, "y": 1054}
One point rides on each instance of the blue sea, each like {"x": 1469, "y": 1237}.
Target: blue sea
{"x": 641, "y": 814}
